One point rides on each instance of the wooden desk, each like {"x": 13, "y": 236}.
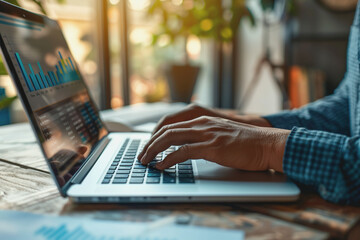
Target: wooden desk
{"x": 26, "y": 185}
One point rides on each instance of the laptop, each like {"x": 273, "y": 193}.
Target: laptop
{"x": 87, "y": 162}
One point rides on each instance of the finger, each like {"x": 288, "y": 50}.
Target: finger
{"x": 186, "y": 152}
{"x": 190, "y": 112}
{"x": 170, "y": 138}
{"x": 82, "y": 149}
{"x": 185, "y": 124}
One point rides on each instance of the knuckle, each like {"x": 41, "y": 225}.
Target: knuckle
{"x": 166, "y": 119}
{"x": 164, "y": 128}
{"x": 168, "y": 133}
{"x": 203, "y": 119}
{"x": 218, "y": 118}
{"x": 186, "y": 150}
{"x": 193, "y": 106}
{"x": 213, "y": 129}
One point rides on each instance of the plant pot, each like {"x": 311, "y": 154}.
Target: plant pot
{"x": 181, "y": 81}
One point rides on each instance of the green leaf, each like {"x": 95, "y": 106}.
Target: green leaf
{"x": 2, "y": 68}
{"x": 251, "y": 17}
{"x": 14, "y": 2}
{"x": 6, "y": 102}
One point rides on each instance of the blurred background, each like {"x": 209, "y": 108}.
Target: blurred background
{"x": 255, "y": 56}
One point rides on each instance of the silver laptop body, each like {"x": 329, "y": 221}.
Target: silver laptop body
{"x": 88, "y": 163}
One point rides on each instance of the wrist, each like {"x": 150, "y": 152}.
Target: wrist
{"x": 253, "y": 120}
{"x": 277, "y": 149}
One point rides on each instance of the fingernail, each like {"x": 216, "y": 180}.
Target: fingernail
{"x": 142, "y": 159}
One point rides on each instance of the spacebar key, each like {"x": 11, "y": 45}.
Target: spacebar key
{"x": 186, "y": 180}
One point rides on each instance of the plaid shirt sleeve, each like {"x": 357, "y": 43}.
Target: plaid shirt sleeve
{"x": 329, "y": 162}
{"x": 328, "y": 114}
{"x": 319, "y": 152}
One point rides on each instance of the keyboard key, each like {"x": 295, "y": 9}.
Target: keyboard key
{"x": 123, "y": 172}
{"x": 119, "y": 181}
{"x": 153, "y": 175}
{"x": 106, "y": 181}
{"x": 185, "y": 171}
{"x": 165, "y": 174}
{"x": 137, "y": 166}
{"x": 125, "y": 164}
{"x": 136, "y": 180}
{"x": 108, "y": 176}
{"x": 186, "y": 180}
{"x": 170, "y": 170}
{"x": 112, "y": 167}
{"x": 121, "y": 176}
{"x": 188, "y": 162}
{"x": 125, "y": 168}
{"x": 138, "y": 175}
{"x": 127, "y": 161}
{"x": 154, "y": 170}
{"x": 131, "y": 152}
{"x": 152, "y": 180}
{"x": 151, "y": 165}
{"x": 139, "y": 170}
{"x": 169, "y": 180}
{"x": 187, "y": 175}
{"x": 185, "y": 167}
{"x": 110, "y": 171}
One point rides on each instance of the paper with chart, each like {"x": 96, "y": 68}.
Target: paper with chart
{"x": 19, "y": 225}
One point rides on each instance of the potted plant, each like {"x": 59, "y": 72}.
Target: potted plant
{"x": 204, "y": 19}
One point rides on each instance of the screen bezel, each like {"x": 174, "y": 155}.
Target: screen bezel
{"x": 13, "y": 10}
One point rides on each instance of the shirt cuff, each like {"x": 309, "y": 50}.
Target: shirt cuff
{"x": 284, "y": 120}
{"x": 312, "y": 158}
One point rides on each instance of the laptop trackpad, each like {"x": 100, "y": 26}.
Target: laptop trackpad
{"x": 214, "y": 172}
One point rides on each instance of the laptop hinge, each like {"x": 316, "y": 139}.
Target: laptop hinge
{"x": 84, "y": 170}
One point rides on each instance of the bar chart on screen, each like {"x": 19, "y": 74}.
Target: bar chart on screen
{"x": 37, "y": 79}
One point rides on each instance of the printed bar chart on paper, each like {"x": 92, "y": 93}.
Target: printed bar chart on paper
{"x": 36, "y": 79}
{"x": 62, "y": 232}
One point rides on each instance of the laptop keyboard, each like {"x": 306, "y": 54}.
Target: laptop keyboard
{"x": 125, "y": 168}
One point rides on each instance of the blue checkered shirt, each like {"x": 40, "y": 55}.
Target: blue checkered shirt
{"x": 323, "y": 148}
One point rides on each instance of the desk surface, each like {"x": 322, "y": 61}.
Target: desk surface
{"x": 25, "y": 184}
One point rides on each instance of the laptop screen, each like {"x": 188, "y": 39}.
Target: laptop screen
{"x": 52, "y": 89}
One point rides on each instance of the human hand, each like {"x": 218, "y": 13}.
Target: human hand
{"x": 194, "y": 111}
{"x": 219, "y": 140}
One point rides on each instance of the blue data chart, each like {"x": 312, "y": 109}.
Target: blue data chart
{"x": 64, "y": 72}
{"x": 62, "y": 232}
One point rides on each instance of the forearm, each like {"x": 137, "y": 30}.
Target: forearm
{"x": 329, "y": 114}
